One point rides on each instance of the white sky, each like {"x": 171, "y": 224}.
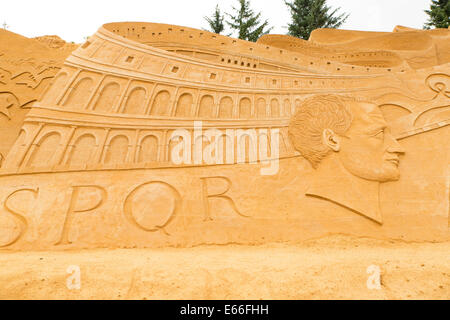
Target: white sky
{"x": 77, "y": 19}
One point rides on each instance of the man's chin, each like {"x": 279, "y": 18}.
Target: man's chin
{"x": 390, "y": 174}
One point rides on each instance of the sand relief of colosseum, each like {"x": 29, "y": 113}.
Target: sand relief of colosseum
{"x": 154, "y": 135}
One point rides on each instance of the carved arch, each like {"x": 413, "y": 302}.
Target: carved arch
{"x": 108, "y": 97}
{"x": 135, "y": 103}
{"x": 83, "y": 150}
{"x": 44, "y": 153}
{"x": 261, "y": 108}
{"x": 245, "y": 108}
{"x": 207, "y": 107}
{"x": 79, "y": 97}
{"x": 274, "y": 108}
{"x": 161, "y": 104}
{"x": 226, "y": 108}
{"x": 148, "y": 149}
{"x": 117, "y": 149}
{"x": 184, "y": 105}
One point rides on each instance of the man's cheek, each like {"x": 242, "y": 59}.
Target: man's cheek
{"x": 376, "y": 143}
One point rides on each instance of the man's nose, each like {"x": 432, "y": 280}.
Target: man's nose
{"x": 395, "y": 146}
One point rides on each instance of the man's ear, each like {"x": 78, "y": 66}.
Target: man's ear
{"x": 331, "y": 140}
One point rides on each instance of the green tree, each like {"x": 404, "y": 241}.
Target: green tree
{"x": 248, "y": 24}
{"x": 307, "y": 15}
{"x": 438, "y": 15}
{"x": 216, "y": 21}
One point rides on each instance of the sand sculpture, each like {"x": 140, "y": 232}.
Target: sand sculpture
{"x": 27, "y": 67}
{"x": 155, "y": 135}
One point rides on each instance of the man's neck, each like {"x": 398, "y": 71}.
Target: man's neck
{"x": 332, "y": 182}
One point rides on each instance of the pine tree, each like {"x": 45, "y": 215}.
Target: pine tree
{"x": 439, "y": 14}
{"x": 216, "y": 21}
{"x": 247, "y": 23}
{"x": 307, "y": 15}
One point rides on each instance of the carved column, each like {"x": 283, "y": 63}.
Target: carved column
{"x": 101, "y": 150}
{"x": 123, "y": 97}
{"x": 68, "y": 146}
{"x": 29, "y": 149}
{"x": 95, "y": 95}
{"x": 68, "y": 89}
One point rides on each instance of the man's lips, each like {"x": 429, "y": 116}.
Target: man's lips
{"x": 394, "y": 161}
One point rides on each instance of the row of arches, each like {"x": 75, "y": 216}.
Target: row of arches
{"x": 86, "y": 149}
{"x": 54, "y": 149}
{"x": 139, "y": 100}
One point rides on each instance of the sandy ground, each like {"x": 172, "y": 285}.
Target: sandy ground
{"x": 329, "y": 268}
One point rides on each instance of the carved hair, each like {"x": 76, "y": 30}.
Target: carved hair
{"x": 312, "y": 117}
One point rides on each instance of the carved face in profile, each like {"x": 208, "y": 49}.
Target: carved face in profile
{"x": 368, "y": 149}
{"x": 349, "y": 130}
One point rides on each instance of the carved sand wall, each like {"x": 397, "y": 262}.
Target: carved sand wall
{"x": 26, "y": 69}
{"x": 94, "y": 163}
